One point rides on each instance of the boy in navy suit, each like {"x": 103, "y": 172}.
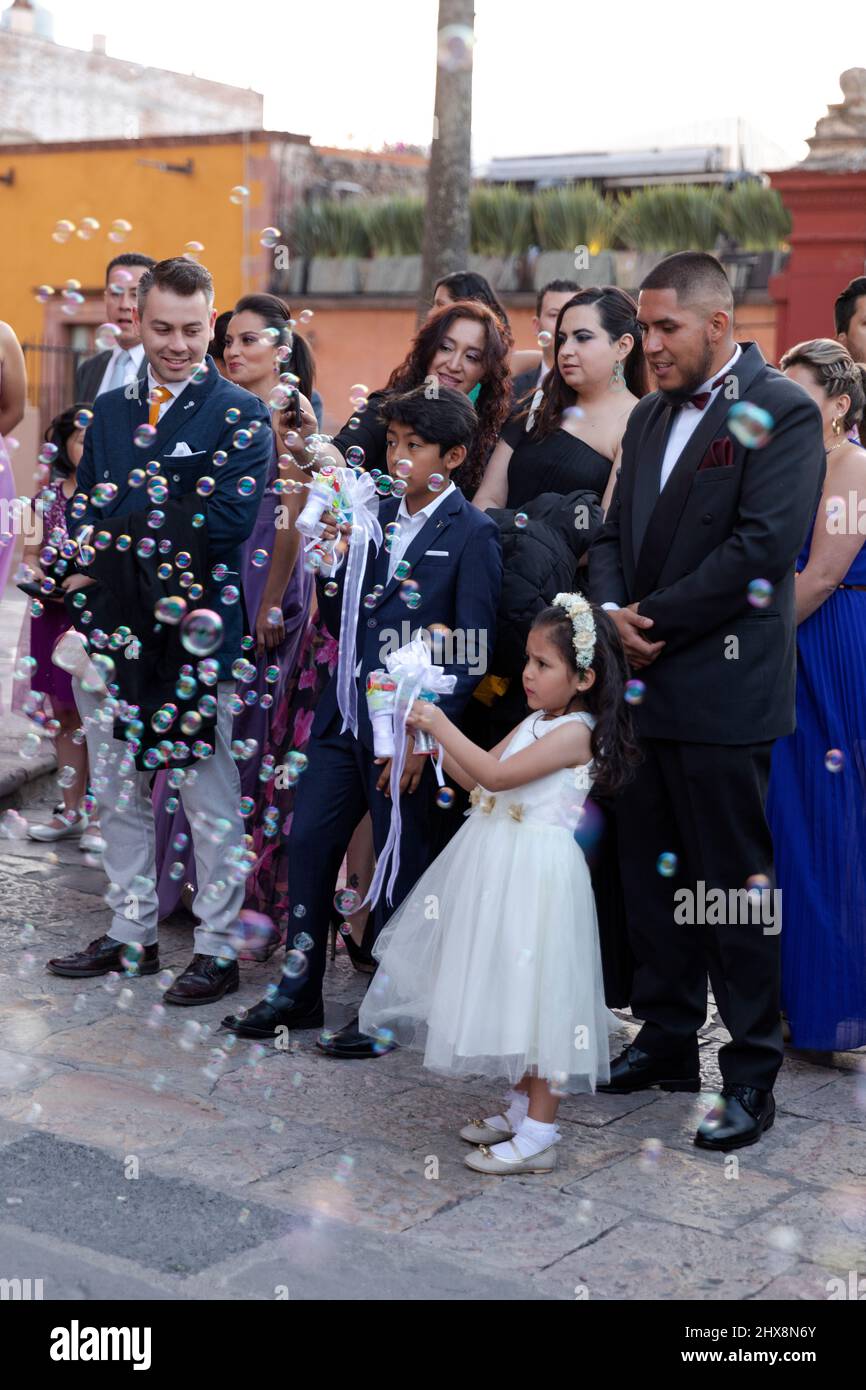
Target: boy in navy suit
{"x": 454, "y": 553}
{"x": 187, "y": 432}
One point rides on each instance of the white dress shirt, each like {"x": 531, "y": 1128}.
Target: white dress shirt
{"x": 175, "y": 387}
{"x": 687, "y": 419}
{"x": 409, "y": 527}
{"x": 133, "y": 366}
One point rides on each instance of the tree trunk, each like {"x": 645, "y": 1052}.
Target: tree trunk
{"x": 446, "y": 222}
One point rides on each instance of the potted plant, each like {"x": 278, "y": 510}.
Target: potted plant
{"x": 572, "y": 225}
{"x": 395, "y": 231}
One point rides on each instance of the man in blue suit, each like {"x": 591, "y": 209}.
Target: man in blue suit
{"x": 451, "y": 549}
{"x": 188, "y": 431}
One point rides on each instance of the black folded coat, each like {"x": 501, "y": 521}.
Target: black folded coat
{"x": 127, "y": 590}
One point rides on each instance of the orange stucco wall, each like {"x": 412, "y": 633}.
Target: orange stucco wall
{"x": 166, "y": 211}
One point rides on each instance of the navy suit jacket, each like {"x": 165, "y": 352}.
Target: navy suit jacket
{"x": 198, "y": 419}
{"x": 456, "y": 560}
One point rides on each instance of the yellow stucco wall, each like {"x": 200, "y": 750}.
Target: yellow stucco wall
{"x": 166, "y": 211}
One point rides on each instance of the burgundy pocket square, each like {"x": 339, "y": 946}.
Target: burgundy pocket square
{"x": 719, "y": 455}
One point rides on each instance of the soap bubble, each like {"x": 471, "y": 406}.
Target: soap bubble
{"x": 435, "y": 482}
{"x": 760, "y": 593}
{"x": 107, "y": 335}
{"x": 445, "y": 798}
{"x": 634, "y": 693}
{"x": 193, "y": 248}
{"x": 63, "y": 230}
{"x": 44, "y": 293}
{"x": 232, "y": 415}
{"x": 667, "y": 864}
{"x": 834, "y": 760}
{"x": 239, "y": 194}
{"x": 87, "y": 228}
{"x": 170, "y": 609}
{"x": 305, "y": 315}
{"x": 144, "y": 436}
{"x": 242, "y": 439}
{"x": 201, "y": 632}
{"x": 269, "y": 236}
{"x": 544, "y": 338}
{"x": 750, "y": 424}
{"x": 246, "y": 486}
{"x": 347, "y": 902}
{"x": 521, "y": 520}
{"x": 205, "y": 486}
{"x": 454, "y": 48}
{"x": 119, "y": 230}
{"x": 296, "y": 964}
{"x": 355, "y": 456}
{"x": 83, "y": 418}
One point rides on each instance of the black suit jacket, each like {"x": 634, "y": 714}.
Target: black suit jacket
{"x": 726, "y": 516}
{"x": 90, "y": 372}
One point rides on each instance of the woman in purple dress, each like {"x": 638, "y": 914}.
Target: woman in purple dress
{"x": 277, "y": 590}
{"x": 41, "y": 690}
{"x": 13, "y": 391}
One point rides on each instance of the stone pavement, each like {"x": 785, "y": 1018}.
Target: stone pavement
{"x": 268, "y": 1174}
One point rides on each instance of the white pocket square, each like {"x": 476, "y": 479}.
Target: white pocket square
{"x": 438, "y": 552}
{"x": 180, "y": 450}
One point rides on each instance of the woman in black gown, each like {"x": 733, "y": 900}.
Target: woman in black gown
{"x": 571, "y": 439}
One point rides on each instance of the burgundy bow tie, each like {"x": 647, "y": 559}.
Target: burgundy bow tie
{"x": 699, "y": 400}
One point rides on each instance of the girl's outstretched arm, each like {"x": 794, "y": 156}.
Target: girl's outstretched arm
{"x": 568, "y": 746}
{"x": 459, "y": 774}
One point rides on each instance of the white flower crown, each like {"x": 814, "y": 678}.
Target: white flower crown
{"x": 583, "y": 625}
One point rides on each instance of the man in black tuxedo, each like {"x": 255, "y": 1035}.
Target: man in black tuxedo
{"x": 121, "y": 364}
{"x": 697, "y": 517}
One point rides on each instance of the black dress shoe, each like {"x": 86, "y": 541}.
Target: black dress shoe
{"x": 635, "y": 1070}
{"x": 265, "y": 1018}
{"x": 738, "y": 1119}
{"x": 350, "y": 1042}
{"x": 206, "y": 979}
{"x": 104, "y": 955}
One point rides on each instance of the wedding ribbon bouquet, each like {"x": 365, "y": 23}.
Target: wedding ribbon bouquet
{"x": 416, "y": 679}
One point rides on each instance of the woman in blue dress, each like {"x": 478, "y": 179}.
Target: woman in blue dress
{"x": 817, "y": 795}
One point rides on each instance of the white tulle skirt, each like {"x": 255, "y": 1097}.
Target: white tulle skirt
{"x": 492, "y": 963}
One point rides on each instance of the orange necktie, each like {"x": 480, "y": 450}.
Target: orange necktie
{"x": 157, "y": 396}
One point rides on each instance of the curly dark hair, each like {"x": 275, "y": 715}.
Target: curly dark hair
{"x": 615, "y": 750}
{"x": 618, "y": 314}
{"x": 494, "y": 399}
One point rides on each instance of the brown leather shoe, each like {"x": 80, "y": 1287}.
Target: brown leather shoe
{"x": 104, "y": 955}
{"x": 206, "y": 979}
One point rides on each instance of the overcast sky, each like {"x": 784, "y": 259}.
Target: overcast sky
{"x": 550, "y": 75}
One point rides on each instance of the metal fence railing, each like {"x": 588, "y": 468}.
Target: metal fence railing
{"x": 51, "y": 377}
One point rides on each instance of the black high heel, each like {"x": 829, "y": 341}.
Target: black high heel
{"x": 363, "y": 961}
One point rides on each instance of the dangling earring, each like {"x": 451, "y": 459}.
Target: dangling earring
{"x": 617, "y": 378}
{"x": 838, "y": 425}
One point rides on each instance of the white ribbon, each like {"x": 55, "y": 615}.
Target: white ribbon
{"x": 413, "y": 671}
{"x": 362, "y": 501}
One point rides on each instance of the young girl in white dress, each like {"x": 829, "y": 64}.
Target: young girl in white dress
{"x": 492, "y": 963}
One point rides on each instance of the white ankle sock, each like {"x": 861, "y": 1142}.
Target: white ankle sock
{"x": 515, "y": 1113}
{"x": 531, "y": 1138}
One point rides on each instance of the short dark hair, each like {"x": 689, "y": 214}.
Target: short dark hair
{"x": 179, "y": 274}
{"x": 447, "y": 418}
{"x": 468, "y": 284}
{"x": 217, "y": 345}
{"x": 694, "y": 275}
{"x": 129, "y": 258}
{"x": 554, "y": 287}
{"x": 846, "y": 304}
